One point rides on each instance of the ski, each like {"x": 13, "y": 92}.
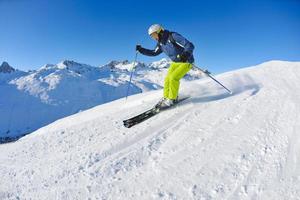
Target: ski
{"x": 147, "y": 114}
{"x": 140, "y": 118}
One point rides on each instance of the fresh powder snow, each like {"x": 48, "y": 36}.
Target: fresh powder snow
{"x": 212, "y": 146}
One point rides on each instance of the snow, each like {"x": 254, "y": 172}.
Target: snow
{"x": 213, "y": 146}
{"x": 37, "y": 98}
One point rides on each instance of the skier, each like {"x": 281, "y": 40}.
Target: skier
{"x": 180, "y": 51}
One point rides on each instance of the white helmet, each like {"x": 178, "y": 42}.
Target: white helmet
{"x": 155, "y": 28}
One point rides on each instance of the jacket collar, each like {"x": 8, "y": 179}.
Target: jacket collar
{"x": 163, "y": 38}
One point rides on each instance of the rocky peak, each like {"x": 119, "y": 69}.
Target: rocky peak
{"x": 6, "y": 68}
{"x": 70, "y": 63}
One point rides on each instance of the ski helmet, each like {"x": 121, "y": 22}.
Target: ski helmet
{"x": 155, "y": 28}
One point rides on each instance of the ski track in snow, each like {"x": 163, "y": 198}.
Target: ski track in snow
{"x": 212, "y": 146}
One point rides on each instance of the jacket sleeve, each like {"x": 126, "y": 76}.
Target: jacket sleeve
{"x": 149, "y": 52}
{"x": 183, "y": 42}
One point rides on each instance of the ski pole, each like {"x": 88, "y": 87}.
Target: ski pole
{"x": 131, "y": 73}
{"x": 208, "y": 74}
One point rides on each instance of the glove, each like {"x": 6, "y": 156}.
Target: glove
{"x": 184, "y": 56}
{"x": 138, "y": 47}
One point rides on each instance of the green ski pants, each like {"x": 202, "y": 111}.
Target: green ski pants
{"x": 176, "y": 71}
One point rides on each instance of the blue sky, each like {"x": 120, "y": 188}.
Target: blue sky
{"x": 227, "y": 34}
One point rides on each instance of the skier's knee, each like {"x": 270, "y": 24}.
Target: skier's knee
{"x": 173, "y": 78}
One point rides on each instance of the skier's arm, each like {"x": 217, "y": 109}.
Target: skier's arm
{"x": 149, "y": 52}
{"x": 183, "y": 42}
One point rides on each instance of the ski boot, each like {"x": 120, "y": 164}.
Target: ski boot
{"x": 160, "y": 102}
{"x": 165, "y": 103}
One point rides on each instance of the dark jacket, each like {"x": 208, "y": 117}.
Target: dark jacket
{"x": 172, "y": 44}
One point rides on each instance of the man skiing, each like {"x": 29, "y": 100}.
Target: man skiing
{"x": 180, "y": 51}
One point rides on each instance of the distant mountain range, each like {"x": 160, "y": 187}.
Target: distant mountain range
{"x": 33, "y": 99}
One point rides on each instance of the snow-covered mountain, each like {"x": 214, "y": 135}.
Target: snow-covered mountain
{"x": 213, "y": 146}
{"x": 30, "y": 100}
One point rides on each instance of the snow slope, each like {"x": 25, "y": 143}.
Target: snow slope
{"x": 213, "y": 146}
{"x": 30, "y": 100}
